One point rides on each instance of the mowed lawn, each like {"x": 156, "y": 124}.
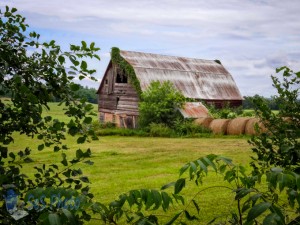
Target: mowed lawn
{"x": 125, "y": 163}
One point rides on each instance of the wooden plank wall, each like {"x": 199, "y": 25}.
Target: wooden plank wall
{"x": 119, "y": 99}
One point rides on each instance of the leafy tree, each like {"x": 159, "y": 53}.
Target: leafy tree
{"x": 32, "y": 72}
{"x": 270, "y": 102}
{"x": 80, "y": 92}
{"x": 280, "y": 146}
{"x": 160, "y": 103}
{"x": 87, "y": 93}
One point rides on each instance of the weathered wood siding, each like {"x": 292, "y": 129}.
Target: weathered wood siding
{"x": 118, "y": 102}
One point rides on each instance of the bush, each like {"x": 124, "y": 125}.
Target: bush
{"x": 224, "y": 113}
{"x": 160, "y": 130}
{"x": 160, "y": 103}
{"x": 189, "y": 128}
{"x": 248, "y": 114}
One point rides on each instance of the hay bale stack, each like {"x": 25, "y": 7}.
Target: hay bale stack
{"x": 205, "y": 121}
{"x": 219, "y": 126}
{"x": 250, "y": 126}
{"x": 237, "y": 126}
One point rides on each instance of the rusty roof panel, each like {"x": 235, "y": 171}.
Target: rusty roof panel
{"x": 195, "y": 78}
{"x": 194, "y": 110}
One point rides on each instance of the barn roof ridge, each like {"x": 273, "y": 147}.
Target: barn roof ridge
{"x": 173, "y": 56}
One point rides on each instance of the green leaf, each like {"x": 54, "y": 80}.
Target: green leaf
{"x": 180, "y": 183}
{"x": 83, "y": 65}
{"x": 280, "y": 69}
{"x": 227, "y": 161}
{"x": 242, "y": 193}
{"x": 257, "y": 210}
{"x": 83, "y": 45}
{"x": 196, "y": 206}
{"x": 272, "y": 219}
{"x": 168, "y": 185}
{"x": 12, "y": 155}
{"x": 246, "y": 206}
{"x": 79, "y": 153}
{"x": 74, "y": 87}
{"x": 64, "y": 161}
{"x": 193, "y": 166}
{"x": 41, "y": 147}
{"x": 81, "y": 140}
{"x": 209, "y": 162}
{"x": 88, "y": 120}
{"x": 222, "y": 168}
{"x": 156, "y": 198}
{"x": 189, "y": 217}
{"x": 178, "y": 198}
{"x": 183, "y": 169}
{"x": 202, "y": 165}
{"x": 73, "y": 60}
{"x": 61, "y": 59}
{"x": 166, "y": 200}
{"x": 69, "y": 216}
{"x": 84, "y": 179}
{"x": 28, "y": 160}
{"x": 54, "y": 219}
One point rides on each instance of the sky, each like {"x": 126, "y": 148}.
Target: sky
{"x": 250, "y": 37}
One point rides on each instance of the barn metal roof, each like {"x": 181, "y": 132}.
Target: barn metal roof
{"x": 194, "y": 110}
{"x": 195, "y": 78}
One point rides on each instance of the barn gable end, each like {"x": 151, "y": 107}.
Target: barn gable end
{"x": 118, "y": 100}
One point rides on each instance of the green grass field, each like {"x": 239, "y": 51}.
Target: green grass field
{"x": 125, "y": 163}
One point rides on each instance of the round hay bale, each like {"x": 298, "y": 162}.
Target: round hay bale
{"x": 205, "y": 121}
{"x": 250, "y": 126}
{"x": 219, "y": 126}
{"x": 237, "y": 126}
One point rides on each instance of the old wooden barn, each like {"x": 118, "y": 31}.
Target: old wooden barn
{"x": 129, "y": 73}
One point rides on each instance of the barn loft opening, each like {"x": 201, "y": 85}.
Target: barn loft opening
{"x": 121, "y": 78}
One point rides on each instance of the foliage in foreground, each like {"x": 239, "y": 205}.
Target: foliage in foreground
{"x": 275, "y": 165}
{"x": 33, "y": 73}
{"x": 57, "y": 193}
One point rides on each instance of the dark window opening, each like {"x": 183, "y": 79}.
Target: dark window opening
{"x": 106, "y": 81}
{"x": 121, "y": 78}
